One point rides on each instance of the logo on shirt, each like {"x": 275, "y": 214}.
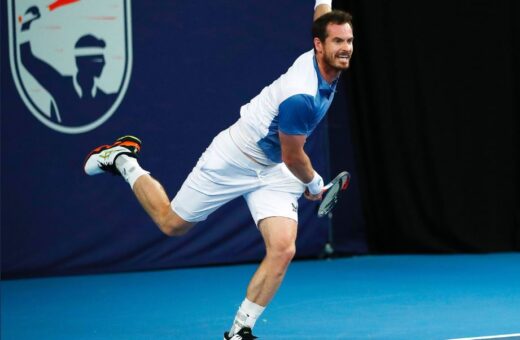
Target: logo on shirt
{"x": 71, "y": 59}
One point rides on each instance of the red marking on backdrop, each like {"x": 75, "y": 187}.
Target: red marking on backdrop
{"x": 60, "y": 3}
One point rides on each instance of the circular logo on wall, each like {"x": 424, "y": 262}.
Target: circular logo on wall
{"x": 71, "y": 59}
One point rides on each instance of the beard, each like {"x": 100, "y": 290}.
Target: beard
{"x": 336, "y": 62}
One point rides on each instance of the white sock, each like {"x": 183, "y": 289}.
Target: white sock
{"x": 246, "y": 316}
{"x": 129, "y": 169}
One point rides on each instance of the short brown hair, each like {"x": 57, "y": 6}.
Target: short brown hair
{"x": 337, "y": 17}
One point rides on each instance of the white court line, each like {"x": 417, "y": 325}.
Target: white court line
{"x": 490, "y": 337}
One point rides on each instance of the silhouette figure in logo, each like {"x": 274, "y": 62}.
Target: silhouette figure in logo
{"x": 76, "y": 99}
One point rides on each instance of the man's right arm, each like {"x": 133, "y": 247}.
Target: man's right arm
{"x": 294, "y": 156}
{"x": 296, "y": 121}
{"x": 297, "y": 161}
{"x": 322, "y": 7}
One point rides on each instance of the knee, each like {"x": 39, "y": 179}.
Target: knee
{"x": 289, "y": 253}
{"x": 173, "y": 229}
{"x": 283, "y": 254}
{"x": 174, "y": 226}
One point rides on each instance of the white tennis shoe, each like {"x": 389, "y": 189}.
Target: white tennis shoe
{"x": 243, "y": 334}
{"x": 103, "y": 158}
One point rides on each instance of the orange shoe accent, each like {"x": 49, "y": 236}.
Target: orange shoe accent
{"x": 129, "y": 143}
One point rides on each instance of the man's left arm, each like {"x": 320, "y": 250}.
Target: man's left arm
{"x": 322, "y": 7}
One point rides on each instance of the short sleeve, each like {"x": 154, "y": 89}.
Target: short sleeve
{"x": 296, "y": 115}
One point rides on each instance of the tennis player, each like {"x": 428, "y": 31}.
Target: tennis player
{"x": 260, "y": 157}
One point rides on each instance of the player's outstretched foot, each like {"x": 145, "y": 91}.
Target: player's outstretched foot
{"x": 103, "y": 158}
{"x": 243, "y": 334}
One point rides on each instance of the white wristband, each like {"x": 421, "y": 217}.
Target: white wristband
{"x": 323, "y": 2}
{"x": 316, "y": 185}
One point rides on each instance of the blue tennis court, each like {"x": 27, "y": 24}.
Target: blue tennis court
{"x": 370, "y": 297}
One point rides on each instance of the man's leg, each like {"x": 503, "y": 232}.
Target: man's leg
{"x": 279, "y": 235}
{"x": 120, "y": 158}
{"x": 150, "y": 193}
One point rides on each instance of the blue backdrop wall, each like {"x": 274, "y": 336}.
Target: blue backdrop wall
{"x": 178, "y": 72}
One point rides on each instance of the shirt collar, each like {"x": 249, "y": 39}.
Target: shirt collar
{"x": 322, "y": 83}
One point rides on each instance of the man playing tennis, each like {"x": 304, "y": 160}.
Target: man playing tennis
{"x": 260, "y": 157}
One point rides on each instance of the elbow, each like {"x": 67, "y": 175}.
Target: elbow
{"x": 290, "y": 160}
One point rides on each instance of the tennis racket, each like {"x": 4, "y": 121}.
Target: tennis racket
{"x": 331, "y": 193}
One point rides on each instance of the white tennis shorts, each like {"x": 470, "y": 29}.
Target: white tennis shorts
{"x": 223, "y": 173}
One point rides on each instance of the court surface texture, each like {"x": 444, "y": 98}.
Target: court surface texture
{"x": 367, "y": 297}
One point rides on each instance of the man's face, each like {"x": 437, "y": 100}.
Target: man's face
{"x": 338, "y": 47}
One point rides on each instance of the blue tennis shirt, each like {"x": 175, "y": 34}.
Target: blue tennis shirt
{"x": 294, "y": 104}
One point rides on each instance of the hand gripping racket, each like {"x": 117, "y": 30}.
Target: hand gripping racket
{"x": 331, "y": 193}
